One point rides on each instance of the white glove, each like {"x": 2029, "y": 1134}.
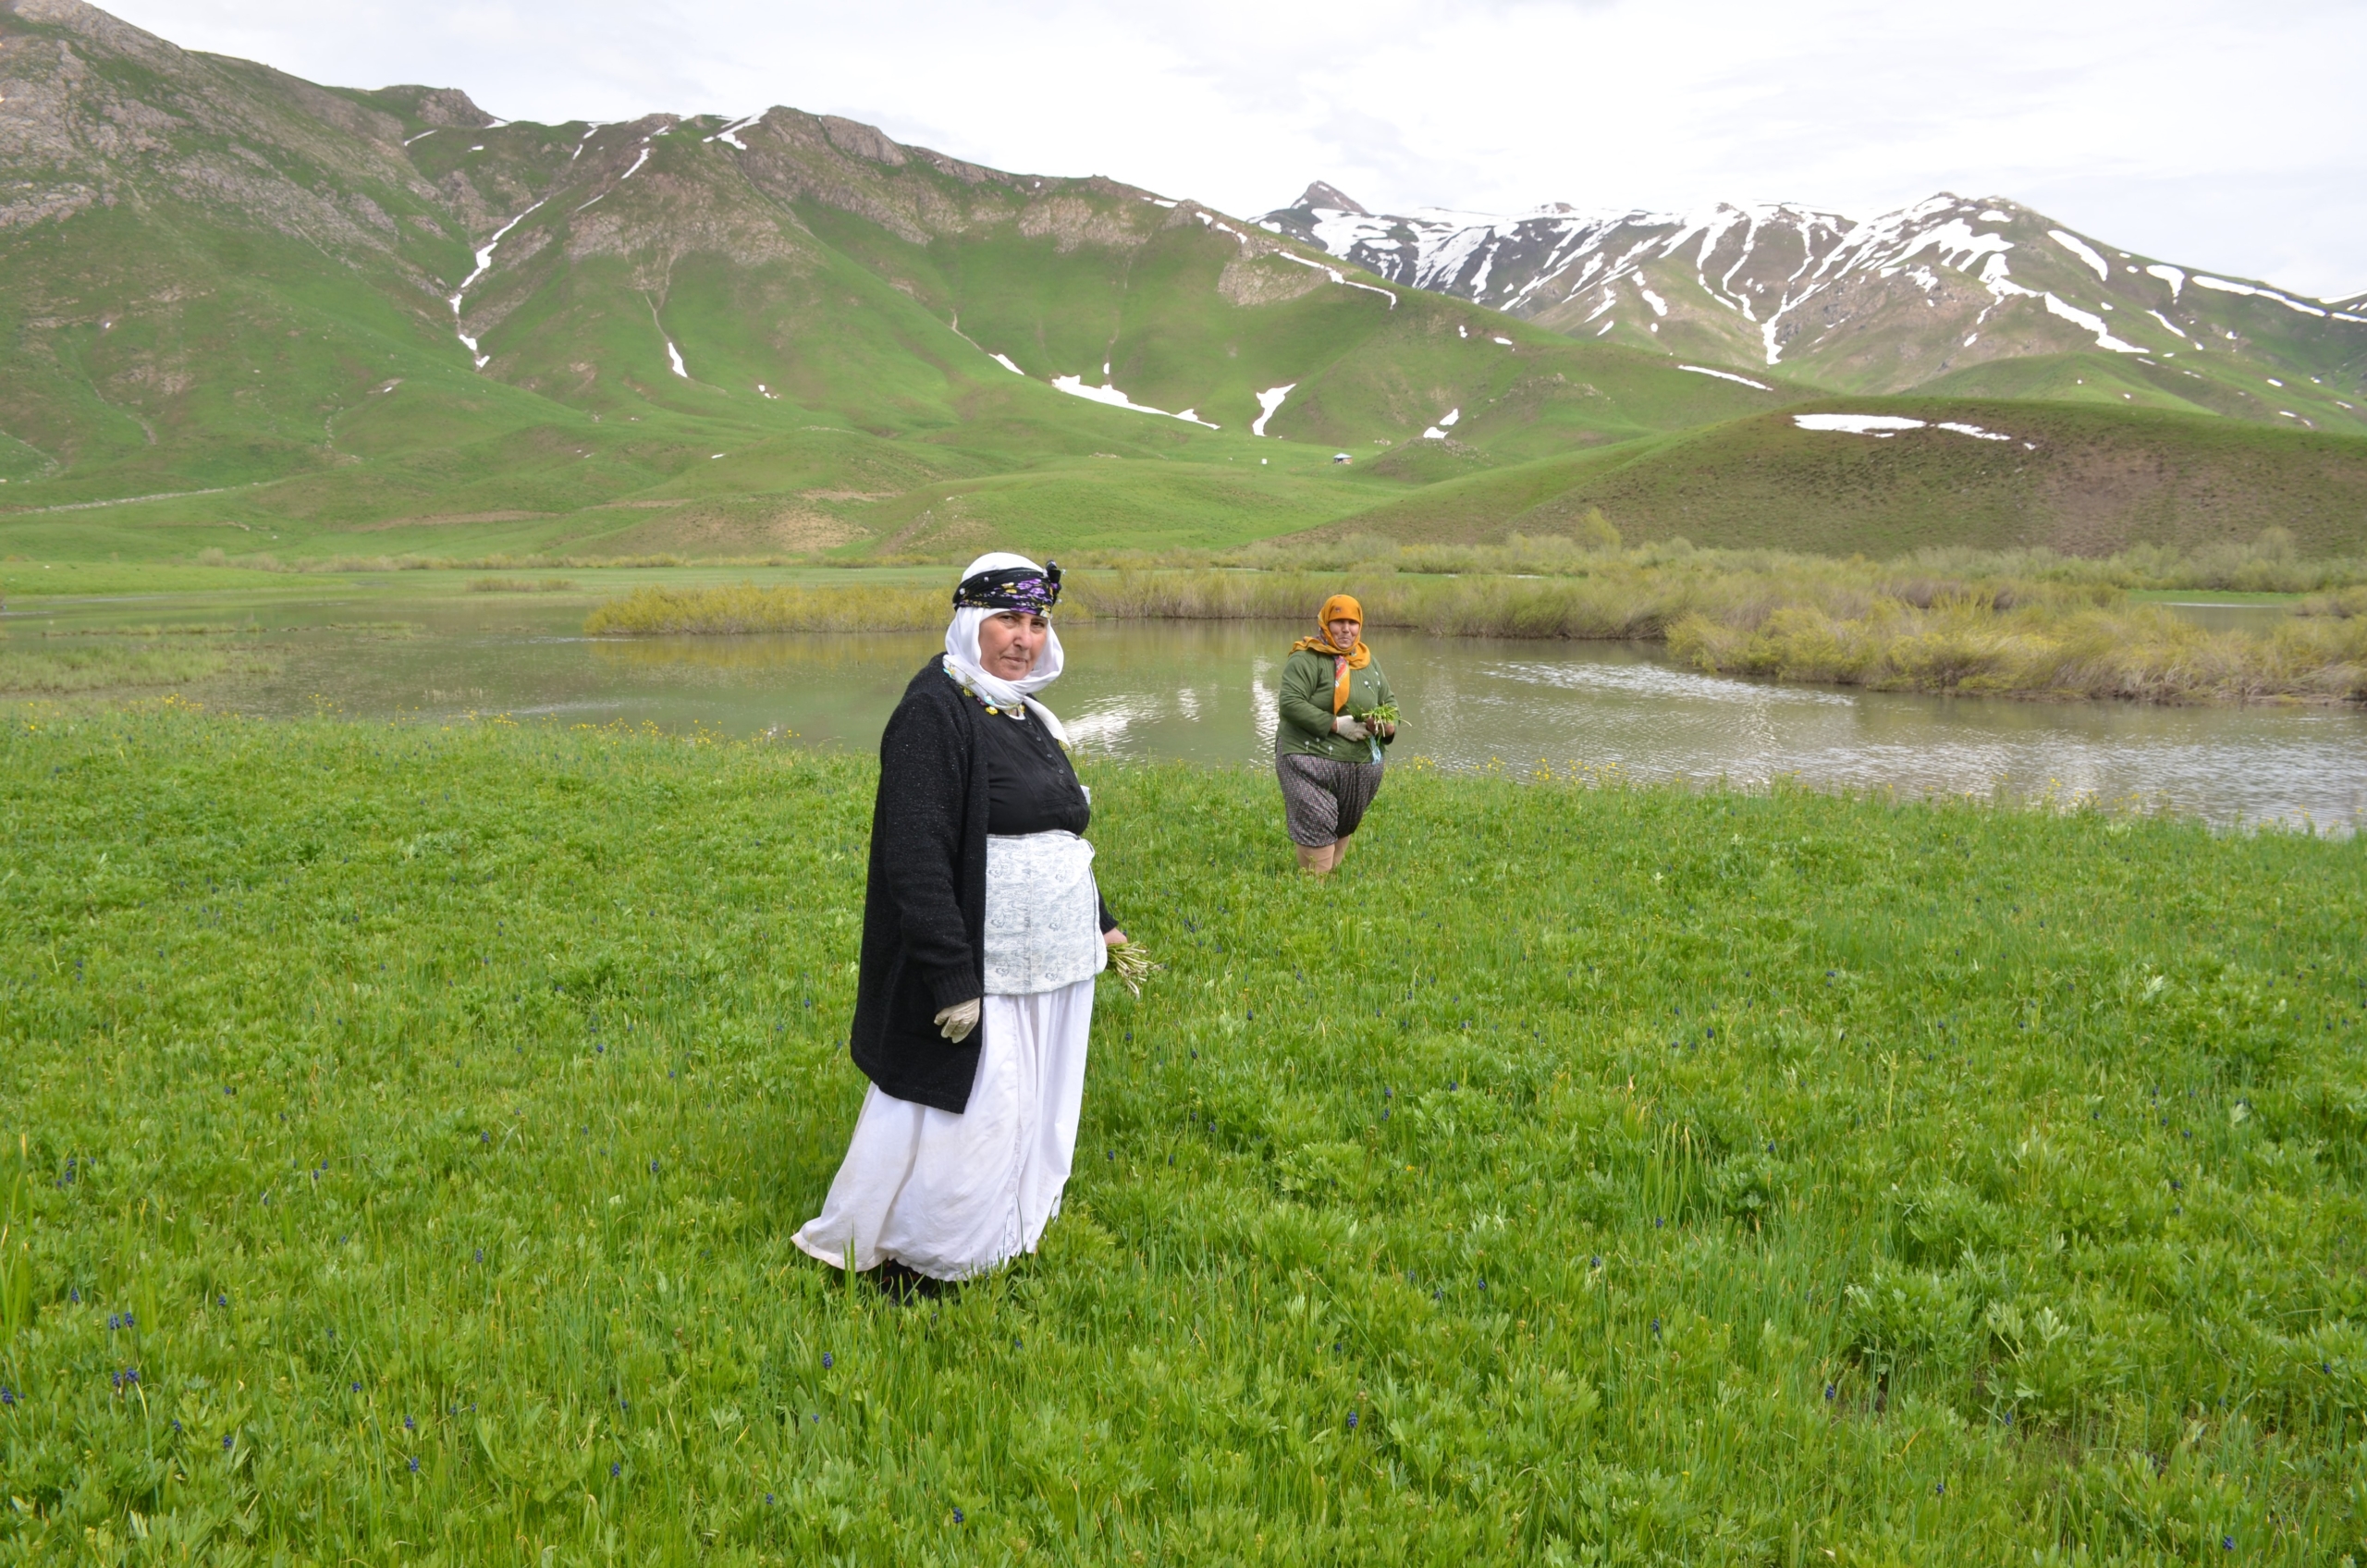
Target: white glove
{"x": 1349, "y": 728}
{"x": 955, "y": 1022}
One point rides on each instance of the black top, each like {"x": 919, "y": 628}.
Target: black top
{"x": 1030, "y": 786}
{"x": 925, "y": 902}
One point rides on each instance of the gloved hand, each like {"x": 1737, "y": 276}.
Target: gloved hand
{"x": 1349, "y": 728}
{"x": 955, "y": 1022}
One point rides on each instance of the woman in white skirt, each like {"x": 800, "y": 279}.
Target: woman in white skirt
{"x": 983, "y": 930}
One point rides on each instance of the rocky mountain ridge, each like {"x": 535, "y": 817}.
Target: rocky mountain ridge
{"x": 398, "y": 314}
{"x": 1945, "y": 294}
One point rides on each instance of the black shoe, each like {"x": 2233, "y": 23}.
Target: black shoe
{"x": 901, "y": 1284}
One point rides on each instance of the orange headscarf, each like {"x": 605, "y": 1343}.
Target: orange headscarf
{"x": 1338, "y": 606}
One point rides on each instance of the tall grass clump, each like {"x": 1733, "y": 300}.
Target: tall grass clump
{"x": 1958, "y": 644}
{"x": 2268, "y": 564}
{"x": 744, "y": 608}
{"x": 2343, "y": 604}
{"x": 1614, "y": 605}
{"x": 142, "y": 658}
{"x": 521, "y": 586}
{"x": 403, "y": 1128}
{"x": 1629, "y": 597}
{"x": 1798, "y": 618}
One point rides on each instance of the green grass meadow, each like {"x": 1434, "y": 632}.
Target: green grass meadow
{"x": 405, "y": 1127}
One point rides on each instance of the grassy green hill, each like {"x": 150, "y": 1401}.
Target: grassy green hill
{"x": 324, "y": 324}
{"x": 779, "y": 335}
{"x": 782, "y": 336}
{"x": 2079, "y": 478}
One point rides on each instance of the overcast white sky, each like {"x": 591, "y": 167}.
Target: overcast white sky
{"x": 2220, "y": 135}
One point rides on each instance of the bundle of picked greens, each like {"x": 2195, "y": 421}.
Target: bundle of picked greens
{"x": 1385, "y": 714}
{"x": 1130, "y": 962}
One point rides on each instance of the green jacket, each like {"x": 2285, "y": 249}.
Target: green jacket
{"x": 1306, "y": 727}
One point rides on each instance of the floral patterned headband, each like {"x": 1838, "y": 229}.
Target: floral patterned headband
{"x": 1012, "y": 588}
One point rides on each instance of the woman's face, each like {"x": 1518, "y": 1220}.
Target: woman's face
{"x": 1008, "y": 642}
{"x": 1344, "y": 633}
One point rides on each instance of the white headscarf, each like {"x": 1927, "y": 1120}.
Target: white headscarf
{"x": 962, "y": 652}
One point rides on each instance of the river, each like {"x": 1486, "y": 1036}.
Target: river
{"x": 1204, "y": 691}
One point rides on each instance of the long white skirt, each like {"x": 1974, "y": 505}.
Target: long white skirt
{"x": 949, "y": 1195}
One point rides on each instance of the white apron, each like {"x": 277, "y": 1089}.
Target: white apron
{"x": 1043, "y": 914}
{"x": 951, "y": 1196}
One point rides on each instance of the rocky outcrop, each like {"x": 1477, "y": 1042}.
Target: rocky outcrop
{"x": 1260, "y": 278}
{"x": 443, "y": 107}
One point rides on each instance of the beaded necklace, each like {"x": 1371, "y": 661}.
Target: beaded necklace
{"x": 1019, "y": 714}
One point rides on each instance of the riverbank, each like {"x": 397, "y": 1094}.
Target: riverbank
{"x": 425, "y": 1110}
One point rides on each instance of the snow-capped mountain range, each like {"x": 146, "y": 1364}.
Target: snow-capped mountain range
{"x": 1936, "y": 289}
{"x": 221, "y": 277}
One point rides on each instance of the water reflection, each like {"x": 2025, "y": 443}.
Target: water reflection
{"x": 1657, "y": 681}
{"x": 789, "y": 656}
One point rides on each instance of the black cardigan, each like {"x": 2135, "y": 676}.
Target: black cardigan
{"x": 925, "y": 904}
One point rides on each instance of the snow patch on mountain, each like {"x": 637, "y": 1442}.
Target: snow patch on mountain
{"x": 1857, "y": 425}
{"x": 1004, "y": 361}
{"x": 729, "y": 135}
{"x": 2079, "y": 248}
{"x": 1109, "y": 395}
{"x": 485, "y": 261}
{"x": 627, "y": 175}
{"x": 1332, "y": 273}
{"x": 1268, "y": 402}
{"x": 2093, "y": 322}
{"x": 1335, "y": 275}
{"x": 1727, "y": 376}
{"x": 1888, "y": 425}
{"x": 1886, "y": 245}
{"x": 2225, "y": 287}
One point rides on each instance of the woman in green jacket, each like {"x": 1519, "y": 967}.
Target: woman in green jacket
{"x": 1337, "y": 714}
